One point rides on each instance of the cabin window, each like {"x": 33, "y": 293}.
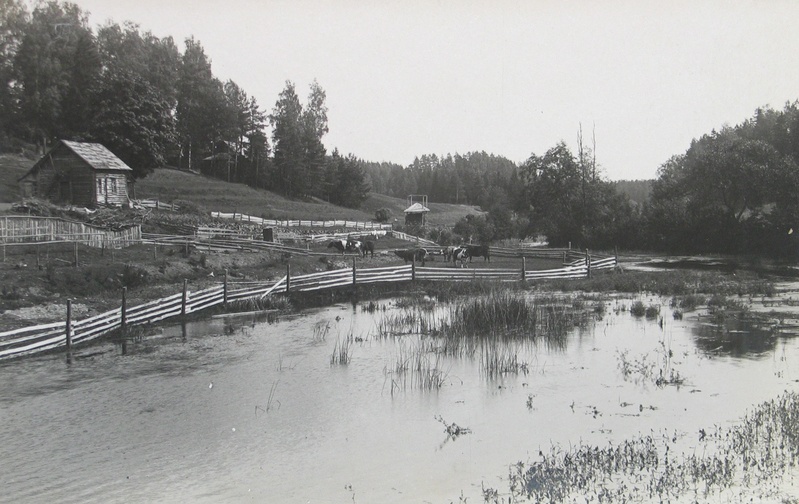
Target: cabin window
{"x": 113, "y": 182}
{"x": 99, "y": 186}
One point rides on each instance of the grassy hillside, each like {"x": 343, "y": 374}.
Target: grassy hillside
{"x": 215, "y": 195}
{"x": 441, "y": 214}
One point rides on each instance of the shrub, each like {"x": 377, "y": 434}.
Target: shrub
{"x": 638, "y": 309}
{"x": 383, "y": 215}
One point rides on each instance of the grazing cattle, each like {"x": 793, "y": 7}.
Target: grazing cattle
{"x": 355, "y": 246}
{"x": 368, "y": 247}
{"x": 477, "y": 251}
{"x": 418, "y": 255}
{"x": 459, "y": 255}
{"x": 340, "y": 245}
{"x": 448, "y": 251}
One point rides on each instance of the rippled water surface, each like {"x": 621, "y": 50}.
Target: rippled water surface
{"x": 245, "y": 410}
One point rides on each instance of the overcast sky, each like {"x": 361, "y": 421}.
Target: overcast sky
{"x": 406, "y": 78}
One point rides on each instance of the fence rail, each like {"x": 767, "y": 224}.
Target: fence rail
{"x": 300, "y": 223}
{"x": 39, "y": 338}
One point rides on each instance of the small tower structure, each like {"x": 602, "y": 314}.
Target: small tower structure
{"x": 416, "y": 213}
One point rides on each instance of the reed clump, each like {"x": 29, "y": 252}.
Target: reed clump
{"x": 341, "y": 352}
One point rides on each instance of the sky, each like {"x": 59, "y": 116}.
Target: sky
{"x": 407, "y": 78}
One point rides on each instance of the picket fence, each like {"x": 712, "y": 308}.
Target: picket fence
{"x": 27, "y": 229}
{"x": 40, "y": 338}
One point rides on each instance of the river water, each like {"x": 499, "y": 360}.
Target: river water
{"x": 248, "y": 410}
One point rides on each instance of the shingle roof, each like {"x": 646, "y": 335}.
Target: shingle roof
{"x": 97, "y": 156}
{"x": 417, "y": 208}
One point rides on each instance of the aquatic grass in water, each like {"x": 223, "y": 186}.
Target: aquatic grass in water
{"x": 501, "y": 358}
{"x": 417, "y": 366}
{"x": 745, "y": 462}
{"x": 341, "y": 352}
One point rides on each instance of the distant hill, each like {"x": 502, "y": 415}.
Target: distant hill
{"x": 636, "y": 190}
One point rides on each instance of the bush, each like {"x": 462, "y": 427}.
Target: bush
{"x": 383, "y": 215}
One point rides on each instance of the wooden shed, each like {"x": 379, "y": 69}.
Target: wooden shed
{"x": 415, "y": 214}
{"x": 78, "y": 173}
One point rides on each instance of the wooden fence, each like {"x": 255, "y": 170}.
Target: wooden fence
{"x": 26, "y": 229}
{"x": 31, "y": 340}
{"x": 300, "y": 223}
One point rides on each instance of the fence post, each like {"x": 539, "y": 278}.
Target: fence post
{"x": 564, "y": 257}
{"x": 76, "y": 254}
{"x": 123, "y": 320}
{"x": 288, "y": 277}
{"x": 524, "y": 267}
{"x": 354, "y": 282}
{"x": 588, "y": 263}
{"x": 69, "y": 326}
{"x": 185, "y": 298}
{"x": 616, "y": 256}
{"x": 155, "y": 251}
{"x": 413, "y": 268}
{"x": 224, "y": 290}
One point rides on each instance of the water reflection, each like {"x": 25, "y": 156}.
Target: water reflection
{"x": 734, "y": 337}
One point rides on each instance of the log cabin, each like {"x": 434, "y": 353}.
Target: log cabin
{"x": 78, "y": 173}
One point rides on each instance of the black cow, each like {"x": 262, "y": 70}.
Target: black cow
{"x": 477, "y": 251}
{"x": 418, "y": 255}
{"x": 368, "y": 247}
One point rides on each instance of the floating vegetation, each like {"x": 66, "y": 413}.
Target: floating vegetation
{"x": 746, "y": 461}
{"x": 638, "y": 370}
{"x": 453, "y": 430}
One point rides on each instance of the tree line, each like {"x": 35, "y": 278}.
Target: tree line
{"x": 733, "y": 191}
{"x": 155, "y": 105}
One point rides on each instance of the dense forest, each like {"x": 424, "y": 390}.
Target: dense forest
{"x": 154, "y": 103}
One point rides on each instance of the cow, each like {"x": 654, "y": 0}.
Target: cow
{"x": 459, "y": 255}
{"x": 340, "y": 245}
{"x": 448, "y": 251}
{"x": 418, "y": 255}
{"x": 477, "y": 251}
{"x": 355, "y": 246}
{"x": 368, "y": 247}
